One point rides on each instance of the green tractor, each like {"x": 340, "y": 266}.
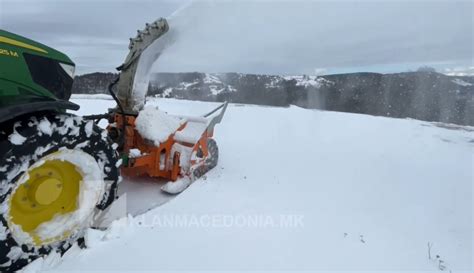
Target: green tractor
{"x": 57, "y": 170}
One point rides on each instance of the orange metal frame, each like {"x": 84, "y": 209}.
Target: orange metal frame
{"x": 150, "y": 163}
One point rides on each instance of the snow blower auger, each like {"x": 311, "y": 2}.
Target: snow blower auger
{"x": 59, "y": 172}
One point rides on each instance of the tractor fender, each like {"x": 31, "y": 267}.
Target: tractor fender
{"x": 10, "y": 112}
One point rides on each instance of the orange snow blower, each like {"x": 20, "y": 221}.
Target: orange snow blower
{"x": 183, "y": 152}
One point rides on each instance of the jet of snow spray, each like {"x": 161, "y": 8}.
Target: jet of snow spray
{"x": 180, "y": 9}
{"x": 152, "y": 53}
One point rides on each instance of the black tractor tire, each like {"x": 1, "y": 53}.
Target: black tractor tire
{"x": 63, "y": 131}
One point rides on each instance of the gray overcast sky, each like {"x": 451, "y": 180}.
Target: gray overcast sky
{"x": 275, "y": 37}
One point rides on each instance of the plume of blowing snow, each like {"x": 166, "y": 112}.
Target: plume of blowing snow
{"x": 299, "y": 37}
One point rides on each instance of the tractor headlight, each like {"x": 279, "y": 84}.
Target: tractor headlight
{"x": 69, "y": 69}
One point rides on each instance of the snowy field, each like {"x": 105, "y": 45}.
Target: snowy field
{"x": 300, "y": 189}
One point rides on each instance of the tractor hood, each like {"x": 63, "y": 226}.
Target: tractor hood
{"x": 33, "y": 75}
{"x": 11, "y": 40}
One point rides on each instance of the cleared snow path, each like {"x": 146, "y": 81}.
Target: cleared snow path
{"x": 363, "y": 193}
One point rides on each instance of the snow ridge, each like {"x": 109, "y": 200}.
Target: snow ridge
{"x": 461, "y": 82}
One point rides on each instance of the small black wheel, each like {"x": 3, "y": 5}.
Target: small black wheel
{"x": 56, "y": 173}
{"x": 211, "y": 160}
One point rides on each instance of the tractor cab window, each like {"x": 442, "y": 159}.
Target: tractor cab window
{"x": 51, "y": 74}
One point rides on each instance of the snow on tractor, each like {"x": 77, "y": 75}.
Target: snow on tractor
{"x": 58, "y": 171}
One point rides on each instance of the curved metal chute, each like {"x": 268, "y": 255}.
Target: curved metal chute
{"x": 145, "y": 49}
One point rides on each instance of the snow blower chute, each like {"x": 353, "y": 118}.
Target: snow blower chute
{"x": 58, "y": 171}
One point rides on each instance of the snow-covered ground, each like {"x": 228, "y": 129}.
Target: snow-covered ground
{"x": 299, "y": 189}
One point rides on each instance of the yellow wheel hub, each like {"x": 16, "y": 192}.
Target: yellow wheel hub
{"x": 46, "y": 191}
{"x": 51, "y": 189}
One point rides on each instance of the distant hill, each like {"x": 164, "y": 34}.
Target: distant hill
{"x": 421, "y": 95}
{"x": 94, "y": 83}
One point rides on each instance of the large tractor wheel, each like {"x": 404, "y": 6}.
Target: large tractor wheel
{"x": 56, "y": 173}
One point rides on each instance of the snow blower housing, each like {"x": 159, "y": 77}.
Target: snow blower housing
{"x": 148, "y": 145}
{"x": 56, "y": 166}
